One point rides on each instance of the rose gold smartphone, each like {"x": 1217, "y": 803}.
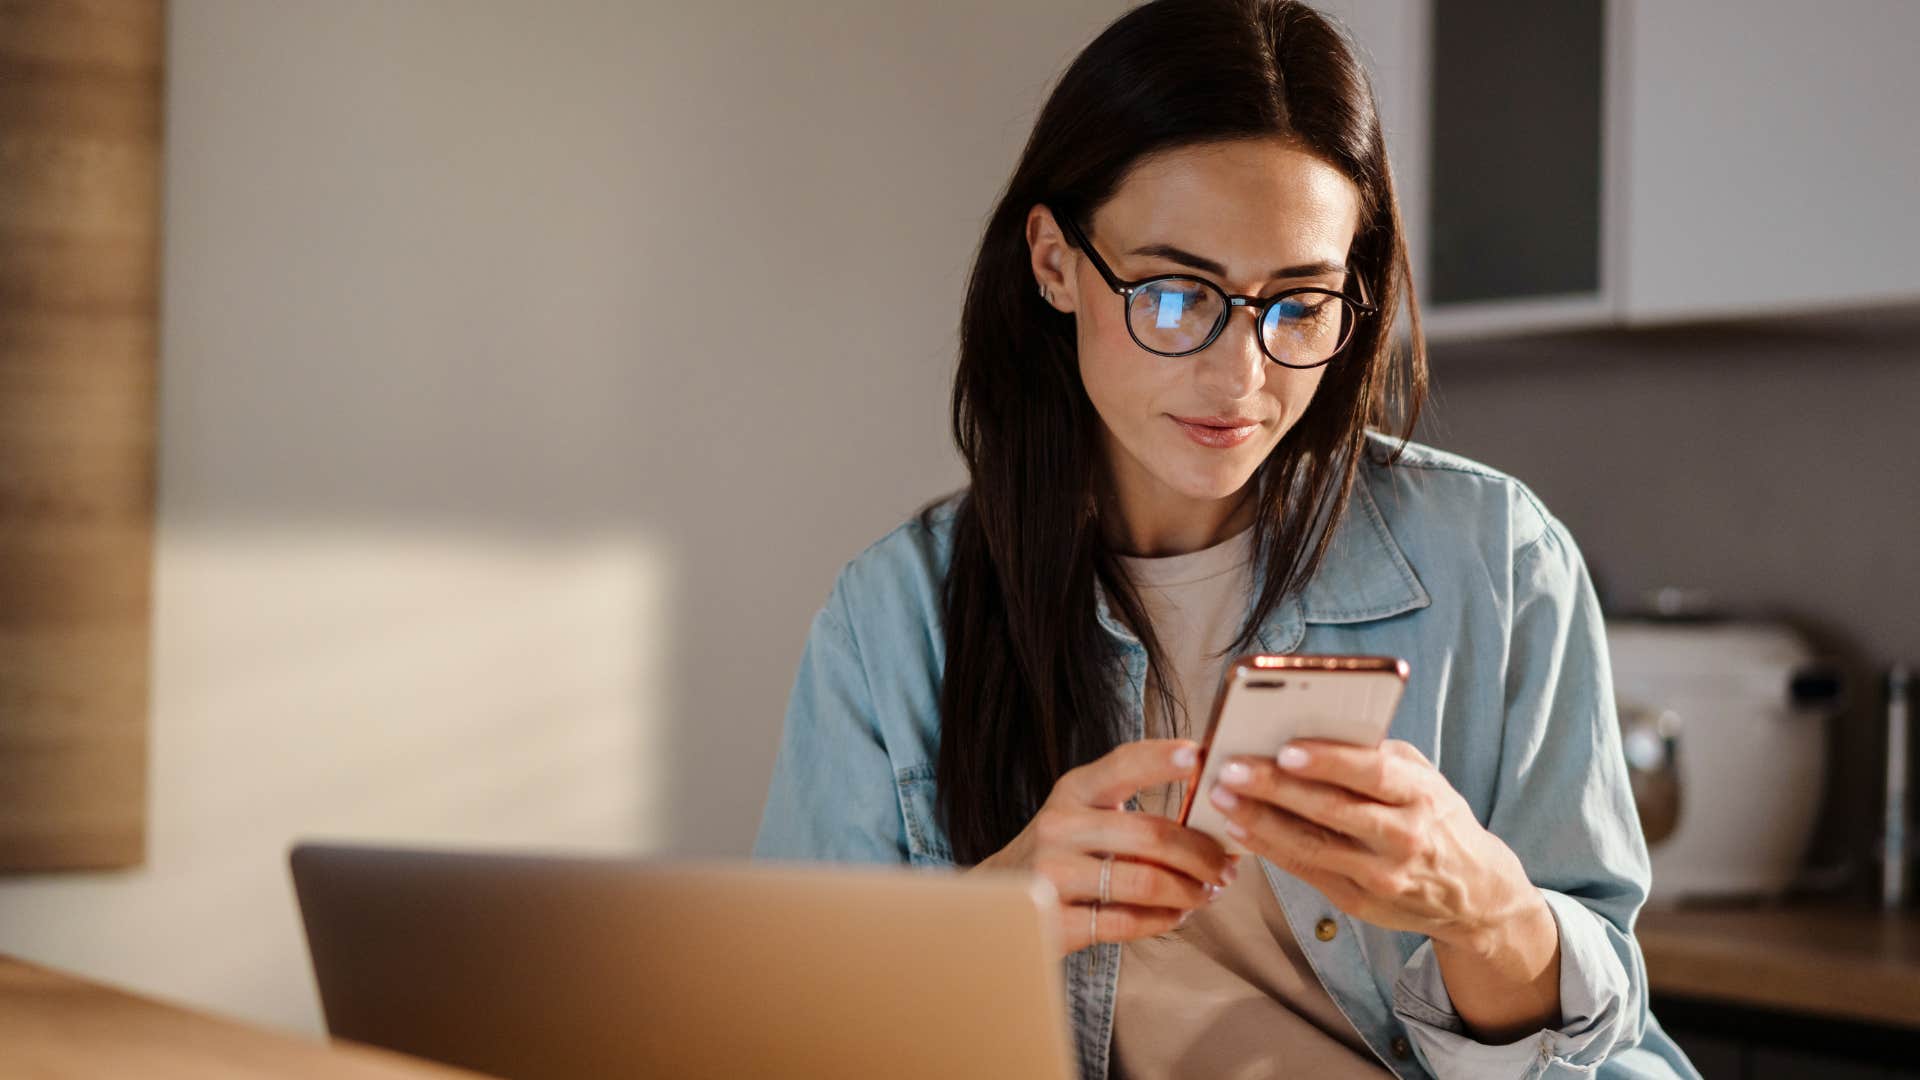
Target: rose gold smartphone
{"x": 1266, "y": 700}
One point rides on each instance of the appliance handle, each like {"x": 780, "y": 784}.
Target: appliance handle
{"x": 1819, "y": 687}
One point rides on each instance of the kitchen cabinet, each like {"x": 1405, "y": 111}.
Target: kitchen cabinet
{"x": 1772, "y": 156}
{"x": 1636, "y": 162}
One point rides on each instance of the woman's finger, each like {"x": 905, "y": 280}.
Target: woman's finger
{"x": 1107, "y": 782}
{"x": 1296, "y": 844}
{"x": 1149, "y": 837}
{"x": 1115, "y": 922}
{"x": 1376, "y": 824}
{"x": 1387, "y": 772}
{"x": 1130, "y": 881}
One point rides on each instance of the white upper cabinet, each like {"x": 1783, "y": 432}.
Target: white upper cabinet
{"x": 1772, "y": 156}
{"x": 1627, "y": 162}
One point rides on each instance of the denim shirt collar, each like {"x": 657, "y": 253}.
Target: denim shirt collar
{"x": 1365, "y": 575}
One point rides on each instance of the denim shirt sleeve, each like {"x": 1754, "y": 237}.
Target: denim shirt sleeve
{"x": 833, "y": 795}
{"x": 1565, "y": 807}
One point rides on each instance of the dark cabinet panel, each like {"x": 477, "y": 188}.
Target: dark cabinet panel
{"x": 1517, "y": 91}
{"x": 1737, "y": 1042}
{"x": 1796, "y": 1065}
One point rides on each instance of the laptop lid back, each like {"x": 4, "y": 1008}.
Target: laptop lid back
{"x": 558, "y": 967}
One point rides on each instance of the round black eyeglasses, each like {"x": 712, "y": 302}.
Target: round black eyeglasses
{"x": 1179, "y": 314}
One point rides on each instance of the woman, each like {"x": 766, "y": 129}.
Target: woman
{"x": 1175, "y": 358}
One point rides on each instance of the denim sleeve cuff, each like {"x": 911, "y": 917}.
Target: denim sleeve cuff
{"x": 1593, "y": 992}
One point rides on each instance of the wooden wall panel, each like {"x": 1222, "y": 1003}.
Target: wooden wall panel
{"x": 80, "y": 150}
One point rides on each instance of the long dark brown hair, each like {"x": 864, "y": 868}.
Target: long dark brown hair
{"x": 1030, "y": 687}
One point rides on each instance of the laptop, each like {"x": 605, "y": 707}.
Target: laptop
{"x": 535, "y": 966}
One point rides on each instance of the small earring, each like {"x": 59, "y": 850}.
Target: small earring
{"x": 1044, "y": 296}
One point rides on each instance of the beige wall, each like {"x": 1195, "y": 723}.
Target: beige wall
{"x": 527, "y": 371}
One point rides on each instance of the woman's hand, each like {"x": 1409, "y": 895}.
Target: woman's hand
{"x": 1382, "y": 834}
{"x": 1162, "y": 870}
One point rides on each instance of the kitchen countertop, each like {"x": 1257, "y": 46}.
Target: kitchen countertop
{"x": 1827, "y": 959}
{"x": 57, "y": 1025}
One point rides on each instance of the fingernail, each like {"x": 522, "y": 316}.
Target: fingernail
{"x": 1224, "y": 799}
{"x": 1227, "y": 875}
{"x": 1184, "y": 916}
{"x": 1292, "y": 757}
{"x": 1236, "y": 830}
{"x": 1213, "y": 892}
{"x": 1186, "y": 757}
{"x": 1236, "y": 773}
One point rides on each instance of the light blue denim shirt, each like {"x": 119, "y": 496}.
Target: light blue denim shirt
{"x": 1450, "y": 564}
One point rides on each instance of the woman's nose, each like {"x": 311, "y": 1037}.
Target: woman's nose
{"x": 1234, "y": 366}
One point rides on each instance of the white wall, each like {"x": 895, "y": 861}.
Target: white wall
{"x": 527, "y": 371}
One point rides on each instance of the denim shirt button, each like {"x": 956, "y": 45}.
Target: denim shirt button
{"x": 1400, "y": 1046}
{"x": 1325, "y": 929}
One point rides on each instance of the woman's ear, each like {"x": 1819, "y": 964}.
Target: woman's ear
{"x": 1054, "y": 261}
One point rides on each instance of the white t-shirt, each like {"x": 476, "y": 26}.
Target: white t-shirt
{"x": 1228, "y": 996}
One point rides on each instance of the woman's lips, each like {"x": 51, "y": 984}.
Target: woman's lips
{"x": 1219, "y": 433}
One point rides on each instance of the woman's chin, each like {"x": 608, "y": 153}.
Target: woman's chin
{"x": 1218, "y": 480}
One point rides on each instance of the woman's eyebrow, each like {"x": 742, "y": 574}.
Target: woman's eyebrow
{"x": 1201, "y": 262}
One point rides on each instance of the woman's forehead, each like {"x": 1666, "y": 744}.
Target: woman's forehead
{"x": 1252, "y": 206}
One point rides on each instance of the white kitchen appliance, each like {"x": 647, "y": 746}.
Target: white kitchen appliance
{"x": 1724, "y": 726}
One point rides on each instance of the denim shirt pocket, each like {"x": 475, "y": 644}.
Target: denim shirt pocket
{"x": 926, "y": 841}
